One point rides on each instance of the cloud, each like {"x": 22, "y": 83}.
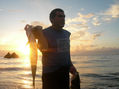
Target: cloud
{"x": 15, "y": 10}
{"x": 95, "y": 21}
{"x": 81, "y": 38}
{"x": 82, "y": 9}
{"x": 81, "y": 18}
{"x": 80, "y": 22}
{"x": 23, "y": 21}
{"x": 77, "y": 35}
{"x": 34, "y": 23}
{"x": 113, "y": 11}
{"x": 11, "y": 10}
{"x": 107, "y": 19}
{"x": 96, "y": 35}
{"x": 98, "y": 51}
{"x": 76, "y": 20}
{"x": 1, "y": 9}
{"x": 106, "y": 15}
{"x": 86, "y": 16}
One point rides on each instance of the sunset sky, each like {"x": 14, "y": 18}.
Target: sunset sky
{"x": 94, "y": 24}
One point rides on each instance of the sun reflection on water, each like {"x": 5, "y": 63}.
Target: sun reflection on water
{"x": 27, "y": 84}
{"x": 26, "y": 62}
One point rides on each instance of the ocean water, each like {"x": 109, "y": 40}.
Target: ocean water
{"x": 96, "y": 72}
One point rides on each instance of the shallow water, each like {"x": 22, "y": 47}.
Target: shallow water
{"x": 96, "y": 72}
{"x": 16, "y": 74}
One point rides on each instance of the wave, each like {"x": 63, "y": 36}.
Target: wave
{"x": 13, "y": 69}
{"x": 109, "y": 76}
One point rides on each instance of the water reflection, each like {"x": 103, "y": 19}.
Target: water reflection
{"x": 95, "y": 72}
{"x": 27, "y": 74}
{"x": 27, "y": 84}
{"x": 25, "y": 62}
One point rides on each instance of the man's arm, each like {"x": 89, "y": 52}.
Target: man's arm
{"x": 73, "y": 70}
{"x": 38, "y": 34}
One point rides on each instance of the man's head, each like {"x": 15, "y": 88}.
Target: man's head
{"x": 57, "y": 18}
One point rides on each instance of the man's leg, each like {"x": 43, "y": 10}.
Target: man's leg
{"x": 49, "y": 81}
{"x": 56, "y": 80}
{"x": 63, "y": 78}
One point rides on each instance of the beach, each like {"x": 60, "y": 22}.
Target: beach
{"x": 96, "y": 72}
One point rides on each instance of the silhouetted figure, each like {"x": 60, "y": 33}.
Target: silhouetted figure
{"x": 56, "y": 58}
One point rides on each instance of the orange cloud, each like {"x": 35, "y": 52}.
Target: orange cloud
{"x": 34, "y": 23}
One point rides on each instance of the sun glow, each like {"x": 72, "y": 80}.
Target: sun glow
{"x": 26, "y": 62}
{"x": 24, "y": 49}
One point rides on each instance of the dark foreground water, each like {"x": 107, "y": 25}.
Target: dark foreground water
{"x": 96, "y": 72}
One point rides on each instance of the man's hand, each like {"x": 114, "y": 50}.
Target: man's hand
{"x": 28, "y": 27}
{"x": 36, "y": 30}
{"x": 73, "y": 70}
{"x": 33, "y": 28}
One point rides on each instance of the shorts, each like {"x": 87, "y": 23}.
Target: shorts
{"x": 58, "y": 79}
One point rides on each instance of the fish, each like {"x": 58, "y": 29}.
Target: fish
{"x": 43, "y": 45}
{"x": 75, "y": 81}
{"x": 33, "y": 52}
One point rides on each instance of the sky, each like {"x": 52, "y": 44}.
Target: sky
{"x": 94, "y": 24}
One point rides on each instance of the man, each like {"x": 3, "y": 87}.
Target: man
{"x": 56, "y": 59}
